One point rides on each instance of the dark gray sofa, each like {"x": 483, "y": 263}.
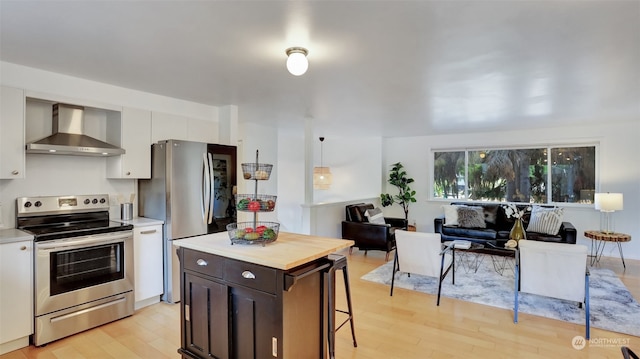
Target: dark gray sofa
{"x": 497, "y": 232}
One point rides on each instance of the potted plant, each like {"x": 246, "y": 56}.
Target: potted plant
{"x": 398, "y": 177}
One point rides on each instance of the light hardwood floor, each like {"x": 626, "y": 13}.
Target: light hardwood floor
{"x": 406, "y": 326}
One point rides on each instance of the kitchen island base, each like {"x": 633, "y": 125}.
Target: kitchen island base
{"x": 236, "y": 309}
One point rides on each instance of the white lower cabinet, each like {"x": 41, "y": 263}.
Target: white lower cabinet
{"x": 16, "y": 294}
{"x": 147, "y": 250}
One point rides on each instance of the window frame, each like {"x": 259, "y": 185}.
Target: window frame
{"x": 548, "y": 147}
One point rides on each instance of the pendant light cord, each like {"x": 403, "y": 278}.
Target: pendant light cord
{"x": 321, "y": 155}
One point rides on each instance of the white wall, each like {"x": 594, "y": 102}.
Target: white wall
{"x": 291, "y": 180}
{"x": 325, "y": 219}
{"x": 49, "y": 175}
{"x": 354, "y": 163}
{"x": 359, "y": 165}
{"x": 36, "y": 80}
{"x": 264, "y": 139}
{"x": 618, "y": 172}
{"x": 67, "y": 175}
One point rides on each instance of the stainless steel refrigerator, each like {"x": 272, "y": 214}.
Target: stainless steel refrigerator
{"x": 191, "y": 190}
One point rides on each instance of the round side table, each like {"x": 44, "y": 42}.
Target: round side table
{"x": 599, "y": 240}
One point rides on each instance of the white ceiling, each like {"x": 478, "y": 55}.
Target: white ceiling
{"x": 389, "y": 68}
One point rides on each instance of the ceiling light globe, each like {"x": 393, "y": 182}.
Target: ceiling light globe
{"x": 297, "y": 63}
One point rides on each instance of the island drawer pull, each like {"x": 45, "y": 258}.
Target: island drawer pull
{"x": 251, "y": 275}
{"x": 201, "y": 262}
{"x": 151, "y": 231}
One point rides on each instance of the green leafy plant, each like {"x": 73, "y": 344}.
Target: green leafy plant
{"x": 398, "y": 177}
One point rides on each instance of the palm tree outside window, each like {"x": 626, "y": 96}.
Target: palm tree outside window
{"x": 516, "y": 175}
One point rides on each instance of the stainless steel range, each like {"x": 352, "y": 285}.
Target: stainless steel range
{"x": 83, "y": 265}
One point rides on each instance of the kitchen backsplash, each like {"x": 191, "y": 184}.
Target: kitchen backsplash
{"x": 48, "y": 175}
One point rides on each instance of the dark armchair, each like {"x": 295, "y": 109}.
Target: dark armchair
{"x": 370, "y": 236}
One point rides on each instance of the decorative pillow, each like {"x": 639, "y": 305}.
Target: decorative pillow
{"x": 375, "y": 216}
{"x": 471, "y": 217}
{"x": 490, "y": 213}
{"x": 545, "y": 220}
{"x": 450, "y": 215}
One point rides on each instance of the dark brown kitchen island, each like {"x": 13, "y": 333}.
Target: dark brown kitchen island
{"x": 253, "y": 301}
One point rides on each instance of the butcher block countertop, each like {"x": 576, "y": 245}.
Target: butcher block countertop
{"x": 290, "y": 250}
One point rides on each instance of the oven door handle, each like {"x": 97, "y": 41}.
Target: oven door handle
{"x": 84, "y": 241}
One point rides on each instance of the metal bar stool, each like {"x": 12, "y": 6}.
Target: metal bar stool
{"x": 339, "y": 262}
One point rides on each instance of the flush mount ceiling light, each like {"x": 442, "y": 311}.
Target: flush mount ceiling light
{"x": 297, "y": 62}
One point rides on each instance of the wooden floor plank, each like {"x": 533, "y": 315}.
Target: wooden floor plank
{"x": 406, "y": 326}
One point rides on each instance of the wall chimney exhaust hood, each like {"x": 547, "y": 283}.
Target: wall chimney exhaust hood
{"x": 68, "y": 137}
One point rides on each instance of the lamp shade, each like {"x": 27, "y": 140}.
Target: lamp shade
{"x": 608, "y": 202}
{"x": 322, "y": 178}
{"x": 297, "y": 62}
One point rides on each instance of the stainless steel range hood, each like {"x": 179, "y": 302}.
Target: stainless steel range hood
{"x": 68, "y": 137}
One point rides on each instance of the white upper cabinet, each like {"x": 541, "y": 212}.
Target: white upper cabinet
{"x": 132, "y": 131}
{"x": 165, "y": 126}
{"x": 202, "y": 131}
{"x": 12, "y": 153}
{"x": 174, "y": 127}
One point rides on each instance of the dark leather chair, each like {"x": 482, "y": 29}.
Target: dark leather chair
{"x": 370, "y": 236}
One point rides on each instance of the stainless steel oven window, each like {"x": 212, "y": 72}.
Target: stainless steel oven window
{"x": 45, "y": 270}
{"x": 85, "y": 267}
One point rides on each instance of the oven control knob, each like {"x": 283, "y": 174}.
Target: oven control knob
{"x": 27, "y": 204}
{"x": 94, "y": 201}
{"x": 87, "y": 201}
{"x": 38, "y": 204}
{"x": 102, "y": 200}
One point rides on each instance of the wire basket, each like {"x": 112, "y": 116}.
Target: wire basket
{"x": 247, "y": 202}
{"x": 258, "y": 232}
{"x": 256, "y": 171}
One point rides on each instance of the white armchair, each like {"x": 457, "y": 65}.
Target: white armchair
{"x": 421, "y": 253}
{"x": 555, "y": 270}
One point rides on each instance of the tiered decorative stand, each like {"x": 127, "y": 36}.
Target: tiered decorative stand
{"x": 254, "y": 232}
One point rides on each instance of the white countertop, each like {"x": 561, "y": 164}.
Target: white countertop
{"x": 288, "y": 251}
{"x": 141, "y": 221}
{"x": 14, "y": 235}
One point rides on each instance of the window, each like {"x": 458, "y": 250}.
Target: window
{"x": 532, "y": 175}
{"x": 448, "y": 169}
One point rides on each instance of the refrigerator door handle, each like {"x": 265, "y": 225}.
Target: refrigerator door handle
{"x": 206, "y": 188}
{"x": 211, "y": 189}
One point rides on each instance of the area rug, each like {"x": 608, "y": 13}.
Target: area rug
{"x": 613, "y": 308}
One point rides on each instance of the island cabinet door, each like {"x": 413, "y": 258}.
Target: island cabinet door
{"x": 206, "y": 319}
{"x": 256, "y": 327}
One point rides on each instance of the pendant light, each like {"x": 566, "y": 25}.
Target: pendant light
{"x": 297, "y": 62}
{"x": 322, "y": 177}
